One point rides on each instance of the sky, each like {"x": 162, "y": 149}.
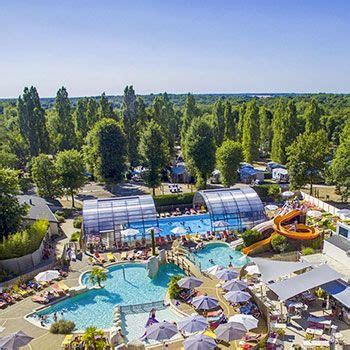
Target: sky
{"x": 178, "y": 46}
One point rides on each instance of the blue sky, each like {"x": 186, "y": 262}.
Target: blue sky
{"x": 176, "y": 46}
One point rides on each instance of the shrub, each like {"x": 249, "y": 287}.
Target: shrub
{"x": 60, "y": 218}
{"x": 24, "y": 242}
{"x": 62, "y": 327}
{"x": 173, "y": 199}
{"x": 239, "y": 247}
{"x": 75, "y": 236}
{"x": 267, "y": 192}
{"x": 279, "y": 243}
{"x": 174, "y": 289}
{"x": 77, "y": 222}
{"x": 307, "y": 251}
{"x": 251, "y": 236}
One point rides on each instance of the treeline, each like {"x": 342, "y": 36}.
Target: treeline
{"x": 306, "y": 132}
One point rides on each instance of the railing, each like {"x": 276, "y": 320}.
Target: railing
{"x": 178, "y": 260}
{"x": 189, "y": 255}
{"x": 141, "y": 308}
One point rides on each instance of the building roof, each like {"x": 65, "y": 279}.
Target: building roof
{"x": 38, "y": 208}
{"x": 109, "y": 214}
{"x": 239, "y": 203}
{"x": 271, "y": 270}
{"x": 314, "y": 278}
{"x": 339, "y": 291}
{"x": 340, "y": 242}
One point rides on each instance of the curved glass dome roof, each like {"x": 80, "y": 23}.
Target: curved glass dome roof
{"x": 111, "y": 214}
{"x": 239, "y": 205}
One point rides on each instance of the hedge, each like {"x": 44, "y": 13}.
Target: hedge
{"x": 267, "y": 192}
{"x": 173, "y": 199}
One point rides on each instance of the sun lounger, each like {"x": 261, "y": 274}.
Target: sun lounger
{"x": 131, "y": 255}
{"x": 252, "y": 338}
{"x": 3, "y": 304}
{"x": 67, "y": 341}
{"x": 63, "y": 286}
{"x": 110, "y": 257}
{"x": 40, "y": 299}
{"x": 124, "y": 255}
{"x": 58, "y": 290}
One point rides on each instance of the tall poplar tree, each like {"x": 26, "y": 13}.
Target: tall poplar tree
{"x": 32, "y": 123}
{"x": 313, "y": 114}
{"x": 240, "y": 124}
{"x": 80, "y": 121}
{"x": 154, "y": 153}
{"x": 250, "y": 141}
{"x": 190, "y": 112}
{"x": 105, "y": 109}
{"x": 60, "y": 123}
{"x": 265, "y": 119}
{"x": 218, "y": 122}
{"x": 130, "y": 124}
{"x": 278, "y": 153}
{"x": 230, "y": 122}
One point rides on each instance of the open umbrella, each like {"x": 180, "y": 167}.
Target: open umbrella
{"x": 14, "y": 341}
{"x": 161, "y": 331}
{"x": 252, "y": 270}
{"x": 179, "y": 230}
{"x": 226, "y": 274}
{"x": 314, "y": 214}
{"x": 249, "y": 321}
{"x": 189, "y": 282}
{"x": 271, "y": 207}
{"x": 234, "y": 285}
{"x": 344, "y": 214}
{"x": 214, "y": 269}
{"x": 155, "y": 230}
{"x": 287, "y": 194}
{"x": 221, "y": 223}
{"x": 129, "y": 232}
{"x": 191, "y": 324}
{"x": 237, "y": 296}
{"x": 230, "y": 331}
{"x": 205, "y": 302}
{"x": 199, "y": 342}
{"x": 47, "y": 276}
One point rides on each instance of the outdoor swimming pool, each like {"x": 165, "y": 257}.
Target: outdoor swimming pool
{"x": 95, "y": 307}
{"x": 220, "y": 254}
{"x": 200, "y": 223}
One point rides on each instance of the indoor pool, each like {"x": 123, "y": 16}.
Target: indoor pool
{"x": 127, "y": 284}
{"x": 192, "y": 223}
{"x": 219, "y": 254}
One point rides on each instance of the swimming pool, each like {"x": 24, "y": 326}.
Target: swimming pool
{"x": 200, "y": 223}
{"x": 127, "y": 284}
{"x": 219, "y": 254}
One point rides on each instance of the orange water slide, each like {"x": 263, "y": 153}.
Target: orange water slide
{"x": 281, "y": 225}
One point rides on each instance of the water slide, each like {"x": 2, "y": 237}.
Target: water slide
{"x": 281, "y": 225}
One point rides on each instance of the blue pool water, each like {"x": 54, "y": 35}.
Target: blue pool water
{"x": 95, "y": 307}
{"x": 220, "y": 253}
{"x": 193, "y": 223}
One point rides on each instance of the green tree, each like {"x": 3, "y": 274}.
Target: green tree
{"x": 218, "y": 122}
{"x": 279, "y": 243}
{"x": 98, "y": 275}
{"x": 80, "y": 121}
{"x": 32, "y": 123}
{"x": 307, "y": 158}
{"x": 105, "y": 109}
{"x": 70, "y": 169}
{"x": 228, "y": 157}
{"x": 92, "y": 115}
{"x": 313, "y": 114}
{"x": 130, "y": 124}
{"x": 240, "y": 124}
{"x": 265, "y": 119}
{"x": 230, "y": 117}
{"x": 11, "y": 212}
{"x": 60, "y": 123}
{"x": 45, "y": 176}
{"x": 154, "y": 154}
{"x": 105, "y": 152}
{"x": 190, "y": 112}
{"x": 250, "y": 141}
{"x": 93, "y": 338}
{"x": 173, "y": 287}
{"x": 200, "y": 150}
{"x": 340, "y": 167}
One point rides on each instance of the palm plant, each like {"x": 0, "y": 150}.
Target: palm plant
{"x": 93, "y": 338}
{"x": 98, "y": 275}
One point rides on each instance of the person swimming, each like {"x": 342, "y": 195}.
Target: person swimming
{"x": 230, "y": 257}
{"x": 211, "y": 261}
